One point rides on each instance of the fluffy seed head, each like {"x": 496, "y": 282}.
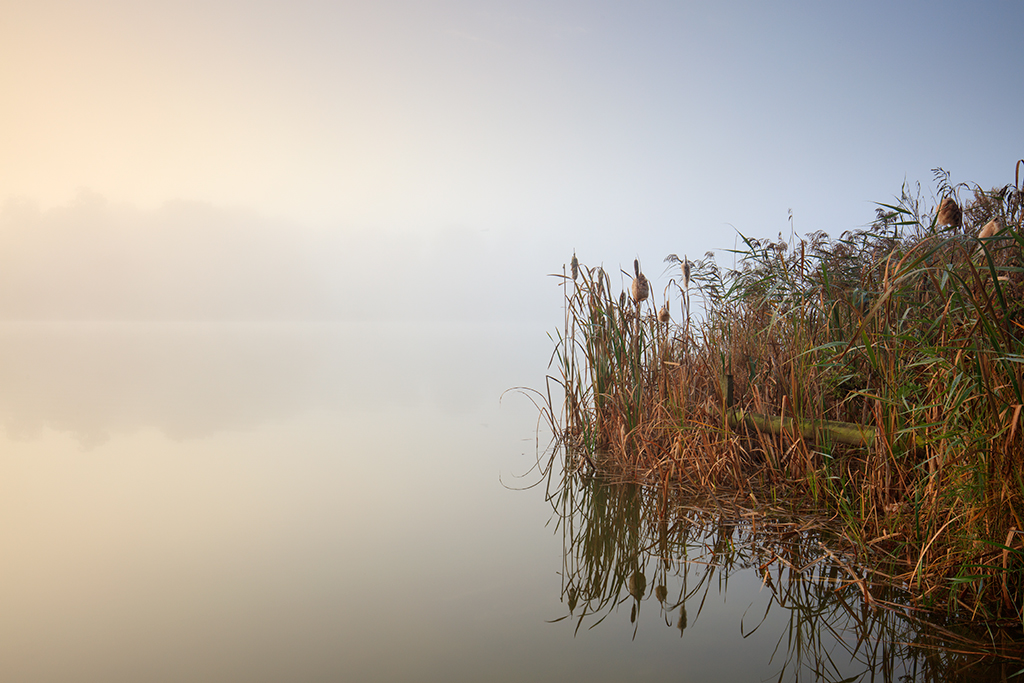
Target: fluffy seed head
{"x": 641, "y": 289}
{"x": 949, "y": 213}
{"x": 991, "y": 228}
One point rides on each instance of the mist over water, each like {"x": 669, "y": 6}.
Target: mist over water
{"x": 230, "y": 452}
{"x": 92, "y": 260}
{"x": 191, "y": 380}
{"x": 234, "y": 449}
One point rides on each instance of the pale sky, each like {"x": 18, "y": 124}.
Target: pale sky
{"x": 615, "y": 129}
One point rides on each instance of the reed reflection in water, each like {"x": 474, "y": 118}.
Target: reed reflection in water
{"x": 746, "y": 596}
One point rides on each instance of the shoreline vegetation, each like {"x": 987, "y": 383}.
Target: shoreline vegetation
{"x": 875, "y": 379}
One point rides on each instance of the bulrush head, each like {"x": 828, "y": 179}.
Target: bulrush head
{"x": 641, "y": 289}
{"x": 990, "y": 229}
{"x": 663, "y": 316}
{"x": 575, "y": 265}
{"x": 949, "y": 213}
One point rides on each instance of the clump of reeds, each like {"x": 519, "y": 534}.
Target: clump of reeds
{"x": 877, "y": 376}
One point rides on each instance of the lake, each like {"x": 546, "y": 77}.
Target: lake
{"x": 339, "y": 501}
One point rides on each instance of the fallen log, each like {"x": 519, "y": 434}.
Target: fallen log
{"x": 812, "y": 430}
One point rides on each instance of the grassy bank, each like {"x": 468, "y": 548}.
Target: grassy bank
{"x": 877, "y": 377}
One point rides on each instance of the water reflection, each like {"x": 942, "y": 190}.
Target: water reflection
{"x": 794, "y": 600}
{"x": 302, "y": 501}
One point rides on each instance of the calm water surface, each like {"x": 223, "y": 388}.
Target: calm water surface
{"x": 327, "y": 502}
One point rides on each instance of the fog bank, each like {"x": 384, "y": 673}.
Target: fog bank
{"x": 93, "y": 260}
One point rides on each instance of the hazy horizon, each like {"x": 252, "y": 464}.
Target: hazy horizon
{"x": 92, "y": 260}
{"x": 217, "y": 160}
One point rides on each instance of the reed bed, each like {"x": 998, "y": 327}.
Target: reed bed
{"x": 875, "y": 377}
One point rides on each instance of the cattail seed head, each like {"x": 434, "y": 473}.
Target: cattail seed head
{"x": 575, "y": 265}
{"x": 686, "y": 273}
{"x": 637, "y": 585}
{"x": 990, "y": 229}
{"x": 663, "y": 315}
{"x": 641, "y": 289}
{"x": 949, "y": 213}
